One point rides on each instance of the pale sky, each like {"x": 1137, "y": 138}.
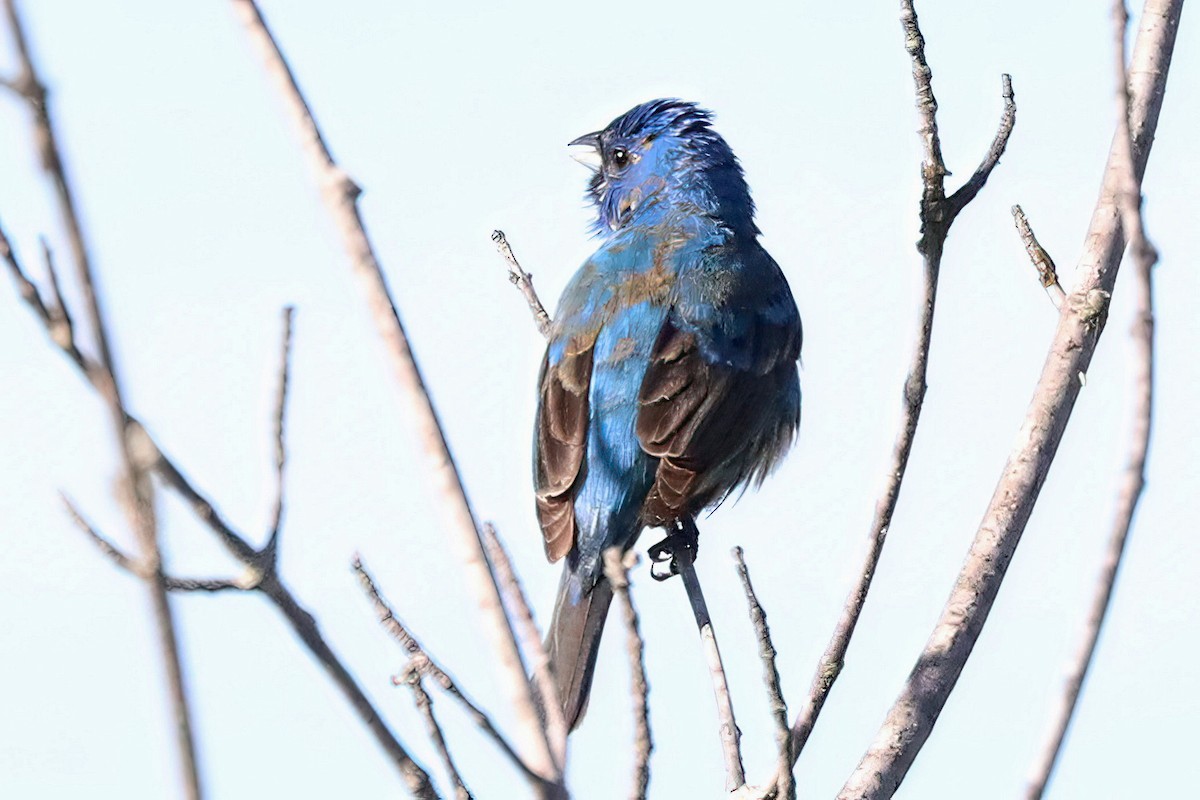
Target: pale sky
{"x": 204, "y": 221}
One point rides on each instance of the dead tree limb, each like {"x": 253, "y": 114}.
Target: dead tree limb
{"x": 340, "y": 194}
{"x": 938, "y": 213}
{"x": 616, "y": 570}
{"x": 135, "y": 489}
{"x": 1134, "y": 477}
{"x": 1081, "y": 321}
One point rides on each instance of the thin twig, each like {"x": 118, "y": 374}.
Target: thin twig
{"x": 62, "y": 327}
{"x": 1134, "y": 477}
{"x": 531, "y": 642}
{"x": 280, "y": 412}
{"x": 424, "y": 705}
{"x": 427, "y": 666}
{"x": 937, "y": 215}
{"x": 136, "y": 489}
{"x": 127, "y": 564}
{"x": 735, "y": 772}
{"x": 44, "y": 311}
{"x": 524, "y": 282}
{"x": 915, "y": 711}
{"x": 1047, "y": 273}
{"x": 785, "y": 786}
{"x": 616, "y": 569}
{"x": 340, "y": 194}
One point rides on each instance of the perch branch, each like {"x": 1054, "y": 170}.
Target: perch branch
{"x": 1047, "y": 272}
{"x": 1134, "y": 477}
{"x": 136, "y": 490}
{"x": 937, "y": 215}
{"x": 423, "y": 663}
{"x": 912, "y": 717}
{"x": 524, "y": 282}
{"x": 735, "y": 773}
{"x": 340, "y": 194}
{"x": 616, "y": 569}
{"x": 785, "y": 786}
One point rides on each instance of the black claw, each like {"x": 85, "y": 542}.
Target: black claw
{"x": 665, "y": 554}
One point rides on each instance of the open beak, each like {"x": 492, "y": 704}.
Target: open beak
{"x": 586, "y": 150}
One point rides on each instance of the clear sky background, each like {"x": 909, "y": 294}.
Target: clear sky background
{"x": 204, "y": 221}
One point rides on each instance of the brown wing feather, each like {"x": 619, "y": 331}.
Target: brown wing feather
{"x": 562, "y": 425}
{"x": 687, "y": 419}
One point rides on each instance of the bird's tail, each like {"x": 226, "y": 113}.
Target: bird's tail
{"x": 574, "y": 640}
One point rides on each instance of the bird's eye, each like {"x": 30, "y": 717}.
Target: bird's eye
{"x": 620, "y": 157}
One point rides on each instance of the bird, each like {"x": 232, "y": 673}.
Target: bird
{"x": 671, "y": 375}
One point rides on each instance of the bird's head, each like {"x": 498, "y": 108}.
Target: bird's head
{"x": 666, "y": 152}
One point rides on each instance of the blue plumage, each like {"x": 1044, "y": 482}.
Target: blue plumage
{"x": 670, "y": 379}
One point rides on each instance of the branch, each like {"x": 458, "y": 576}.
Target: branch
{"x": 937, "y": 215}
{"x": 785, "y": 786}
{"x": 1134, "y": 479}
{"x": 280, "y": 412}
{"x": 423, "y": 663}
{"x": 617, "y": 571}
{"x": 915, "y": 711}
{"x": 136, "y": 490}
{"x": 424, "y": 705}
{"x": 1047, "y": 273}
{"x": 531, "y": 642}
{"x": 524, "y": 282}
{"x": 340, "y": 194}
{"x": 735, "y": 773}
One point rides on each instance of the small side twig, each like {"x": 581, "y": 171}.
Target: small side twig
{"x": 280, "y": 428}
{"x": 421, "y": 659}
{"x": 1134, "y": 477}
{"x": 937, "y": 215}
{"x": 1047, "y": 273}
{"x": 616, "y": 569}
{"x": 785, "y": 785}
{"x": 735, "y": 772}
{"x": 524, "y": 282}
{"x": 424, "y": 705}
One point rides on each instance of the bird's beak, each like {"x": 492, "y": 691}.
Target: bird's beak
{"x": 586, "y": 150}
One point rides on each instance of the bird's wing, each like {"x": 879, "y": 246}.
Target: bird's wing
{"x": 719, "y": 402}
{"x": 561, "y": 441}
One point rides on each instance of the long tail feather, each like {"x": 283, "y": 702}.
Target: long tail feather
{"x": 574, "y": 641}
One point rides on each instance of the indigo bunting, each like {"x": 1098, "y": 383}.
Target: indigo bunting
{"x": 670, "y": 378}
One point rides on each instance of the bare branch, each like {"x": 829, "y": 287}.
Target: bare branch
{"x": 966, "y": 193}
{"x": 421, "y": 661}
{"x": 786, "y": 785}
{"x": 28, "y": 291}
{"x": 735, "y": 773}
{"x": 531, "y": 642}
{"x": 937, "y": 215}
{"x": 280, "y": 412}
{"x": 915, "y": 711}
{"x": 1134, "y": 478}
{"x": 340, "y": 194}
{"x": 1047, "y": 273}
{"x": 524, "y": 282}
{"x": 424, "y": 705}
{"x": 110, "y": 550}
{"x": 130, "y": 565}
{"x": 616, "y": 569}
{"x": 137, "y": 491}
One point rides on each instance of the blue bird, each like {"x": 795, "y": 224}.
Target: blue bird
{"x": 670, "y": 379}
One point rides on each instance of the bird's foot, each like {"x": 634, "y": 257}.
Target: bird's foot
{"x": 665, "y": 555}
